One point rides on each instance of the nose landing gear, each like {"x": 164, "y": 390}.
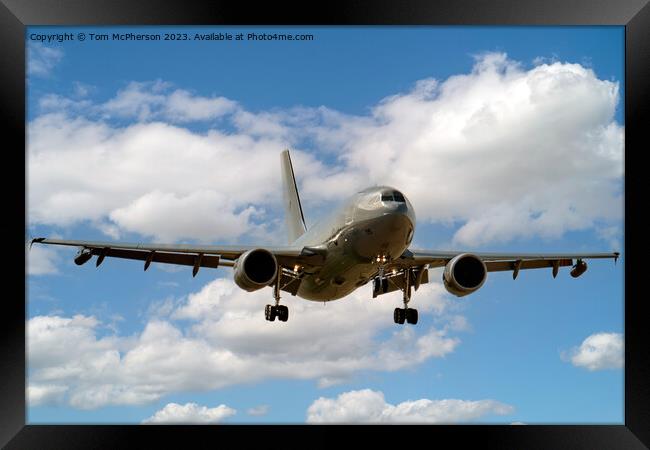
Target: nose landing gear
{"x": 379, "y": 286}
{"x": 380, "y": 283}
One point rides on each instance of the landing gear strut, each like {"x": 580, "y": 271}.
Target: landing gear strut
{"x": 407, "y": 314}
{"x": 379, "y": 286}
{"x": 380, "y": 283}
{"x": 277, "y": 310}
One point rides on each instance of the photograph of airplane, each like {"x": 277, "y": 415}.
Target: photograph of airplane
{"x": 325, "y": 225}
{"x": 365, "y": 239}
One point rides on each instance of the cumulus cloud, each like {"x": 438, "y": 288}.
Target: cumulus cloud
{"x": 174, "y": 198}
{"x": 599, "y": 351}
{"x": 503, "y": 152}
{"x": 154, "y": 100}
{"x": 190, "y": 413}
{"x": 45, "y": 394}
{"x": 368, "y": 406}
{"x": 40, "y": 260}
{"x": 193, "y": 215}
{"x": 218, "y": 337}
{"x": 41, "y": 59}
{"x": 260, "y": 410}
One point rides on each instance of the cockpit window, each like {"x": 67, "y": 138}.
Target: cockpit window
{"x": 394, "y": 196}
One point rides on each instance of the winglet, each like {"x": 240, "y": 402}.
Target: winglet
{"x": 35, "y": 240}
{"x": 616, "y": 255}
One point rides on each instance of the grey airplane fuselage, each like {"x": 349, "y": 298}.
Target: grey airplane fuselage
{"x": 374, "y": 223}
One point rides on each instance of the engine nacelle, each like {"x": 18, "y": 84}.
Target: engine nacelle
{"x": 255, "y": 269}
{"x": 464, "y": 274}
{"x": 82, "y": 256}
{"x": 579, "y": 269}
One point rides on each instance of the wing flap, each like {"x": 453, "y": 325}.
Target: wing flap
{"x": 500, "y": 266}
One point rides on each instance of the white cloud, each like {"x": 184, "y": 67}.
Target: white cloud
{"x": 221, "y": 339}
{"x": 504, "y": 152}
{"x": 190, "y": 413}
{"x": 191, "y": 197}
{"x": 41, "y": 260}
{"x": 42, "y": 59}
{"x": 599, "y": 351}
{"x": 82, "y": 89}
{"x": 257, "y": 411}
{"x": 369, "y": 406}
{"x": 612, "y": 235}
{"x": 137, "y": 100}
{"x": 197, "y": 215}
{"x": 143, "y": 102}
{"x": 184, "y": 107}
{"x": 45, "y": 394}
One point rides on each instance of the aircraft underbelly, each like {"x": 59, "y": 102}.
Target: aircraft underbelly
{"x": 337, "y": 285}
{"x": 350, "y": 258}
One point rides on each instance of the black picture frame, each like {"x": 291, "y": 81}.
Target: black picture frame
{"x": 15, "y": 15}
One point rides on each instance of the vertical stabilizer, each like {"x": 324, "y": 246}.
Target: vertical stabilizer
{"x": 292, "y": 208}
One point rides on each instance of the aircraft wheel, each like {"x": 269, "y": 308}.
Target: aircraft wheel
{"x": 399, "y": 315}
{"x": 270, "y": 312}
{"x": 283, "y": 313}
{"x": 412, "y": 316}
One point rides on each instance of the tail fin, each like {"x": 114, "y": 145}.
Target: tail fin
{"x": 292, "y": 209}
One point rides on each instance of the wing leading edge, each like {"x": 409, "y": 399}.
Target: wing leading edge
{"x": 182, "y": 254}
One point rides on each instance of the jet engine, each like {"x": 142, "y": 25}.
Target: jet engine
{"x": 579, "y": 269}
{"x": 255, "y": 269}
{"x": 82, "y": 256}
{"x": 464, "y": 274}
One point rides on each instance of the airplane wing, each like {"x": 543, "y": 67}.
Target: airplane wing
{"x": 497, "y": 262}
{"x": 419, "y": 261}
{"x": 183, "y": 254}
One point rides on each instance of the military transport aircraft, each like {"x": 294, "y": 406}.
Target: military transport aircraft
{"x": 367, "y": 239}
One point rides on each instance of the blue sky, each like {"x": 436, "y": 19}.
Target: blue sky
{"x": 503, "y": 138}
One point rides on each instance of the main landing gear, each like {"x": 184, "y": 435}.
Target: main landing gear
{"x": 277, "y": 310}
{"x": 407, "y": 314}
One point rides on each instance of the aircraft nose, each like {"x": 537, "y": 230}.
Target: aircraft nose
{"x": 399, "y": 208}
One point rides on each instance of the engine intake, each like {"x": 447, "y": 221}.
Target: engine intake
{"x": 464, "y": 274}
{"x": 255, "y": 269}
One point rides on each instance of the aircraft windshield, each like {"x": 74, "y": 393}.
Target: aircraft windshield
{"x": 394, "y": 196}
